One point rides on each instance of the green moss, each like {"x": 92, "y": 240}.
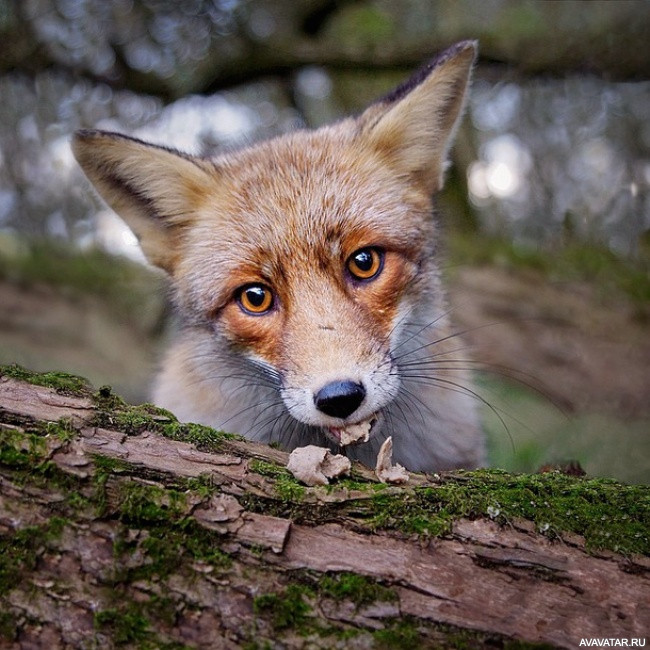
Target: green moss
{"x": 8, "y": 626}
{"x": 19, "y": 551}
{"x": 62, "y": 382}
{"x": 171, "y": 534}
{"x": 200, "y": 544}
{"x": 76, "y": 501}
{"x": 63, "y": 429}
{"x": 287, "y": 488}
{"x": 401, "y": 635}
{"x": 114, "y": 413}
{"x": 291, "y": 607}
{"x": 358, "y": 589}
{"x": 289, "y": 612}
{"x": 408, "y": 632}
{"x": 163, "y": 550}
{"x": 265, "y": 468}
{"x": 608, "y": 514}
{"x": 145, "y": 504}
{"x": 24, "y": 458}
{"x": 125, "y": 625}
{"x": 20, "y": 450}
{"x": 203, "y": 485}
{"x": 258, "y": 644}
{"x": 357, "y": 485}
{"x": 130, "y": 623}
{"x": 24, "y": 426}
{"x": 109, "y": 465}
{"x": 204, "y": 438}
{"x": 287, "y": 609}
{"x": 105, "y": 467}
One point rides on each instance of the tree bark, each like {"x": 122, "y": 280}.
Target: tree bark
{"x": 121, "y": 527}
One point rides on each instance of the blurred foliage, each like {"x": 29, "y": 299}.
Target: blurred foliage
{"x": 131, "y": 291}
{"x": 563, "y": 160}
{"x": 526, "y": 431}
{"x": 572, "y": 262}
{"x": 87, "y": 312}
{"x": 551, "y": 169}
{"x": 171, "y": 48}
{"x": 541, "y": 156}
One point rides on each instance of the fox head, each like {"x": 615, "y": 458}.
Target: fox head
{"x": 306, "y": 255}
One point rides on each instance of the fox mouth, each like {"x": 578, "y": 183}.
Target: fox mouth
{"x": 352, "y": 434}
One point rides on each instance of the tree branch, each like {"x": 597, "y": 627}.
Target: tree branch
{"x": 119, "y": 523}
{"x": 538, "y": 39}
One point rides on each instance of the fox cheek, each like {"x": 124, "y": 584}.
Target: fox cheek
{"x": 256, "y": 337}
{"x": 389, "y": 303}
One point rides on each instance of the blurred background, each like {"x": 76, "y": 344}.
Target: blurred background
{"x": 546, "y": 211}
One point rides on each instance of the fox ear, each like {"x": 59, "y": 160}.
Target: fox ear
{"x": 154, "y": 189}
{"x": 413, "y": 126}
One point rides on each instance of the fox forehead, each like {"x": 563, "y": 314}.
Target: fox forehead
{"x": 300, "y": 200}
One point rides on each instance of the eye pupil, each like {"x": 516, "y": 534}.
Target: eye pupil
{"x": 364, "y": 260}
{"x": 255, "y": 299}
{"x": 255, "y": 296}
{"x": 366, "y": 263}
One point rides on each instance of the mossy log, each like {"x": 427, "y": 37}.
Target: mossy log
{"x": 119, "y": 526}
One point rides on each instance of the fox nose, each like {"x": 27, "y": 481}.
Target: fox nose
{"x": 339, "y": 398}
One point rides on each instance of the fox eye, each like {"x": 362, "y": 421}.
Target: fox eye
{"x": 366, "y": 263}
{"x": 255, "y": 299}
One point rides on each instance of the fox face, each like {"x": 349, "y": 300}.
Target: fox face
{"x": 304, "y": 271}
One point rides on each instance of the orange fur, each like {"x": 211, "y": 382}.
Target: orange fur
{"x": 288, "y": 214}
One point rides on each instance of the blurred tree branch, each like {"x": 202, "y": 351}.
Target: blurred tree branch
{"x": 277, "y": 37}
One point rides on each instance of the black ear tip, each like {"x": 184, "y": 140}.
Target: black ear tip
{"x": 85, "y": 134}
{"x": 469, "y": 44}
{"x": 469, "y": 47}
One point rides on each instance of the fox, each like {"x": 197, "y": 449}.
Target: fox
{"x": 305, "y": 271}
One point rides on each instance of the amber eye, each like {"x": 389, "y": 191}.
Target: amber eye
{"x": 366, "y": 263}
{"x": 255, "y": 299}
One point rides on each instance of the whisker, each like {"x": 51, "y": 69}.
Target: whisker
{"x": 424, "y": 327}
{"x": 447, "y": 337}
{"x": 250, "y": 407}
{"x": 521, "y": 377}
{"x": 292, "y": 425}
{"x": 259, "y": 426}
{"x": 401, "y": 416}
{"x": 411, "y": 401}
{"x": 276, "y": 420}
{"x": 453, "y": 386}
{"x": 467, "y": 331}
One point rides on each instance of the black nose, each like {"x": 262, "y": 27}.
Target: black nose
{"x": 339, "y": 398}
